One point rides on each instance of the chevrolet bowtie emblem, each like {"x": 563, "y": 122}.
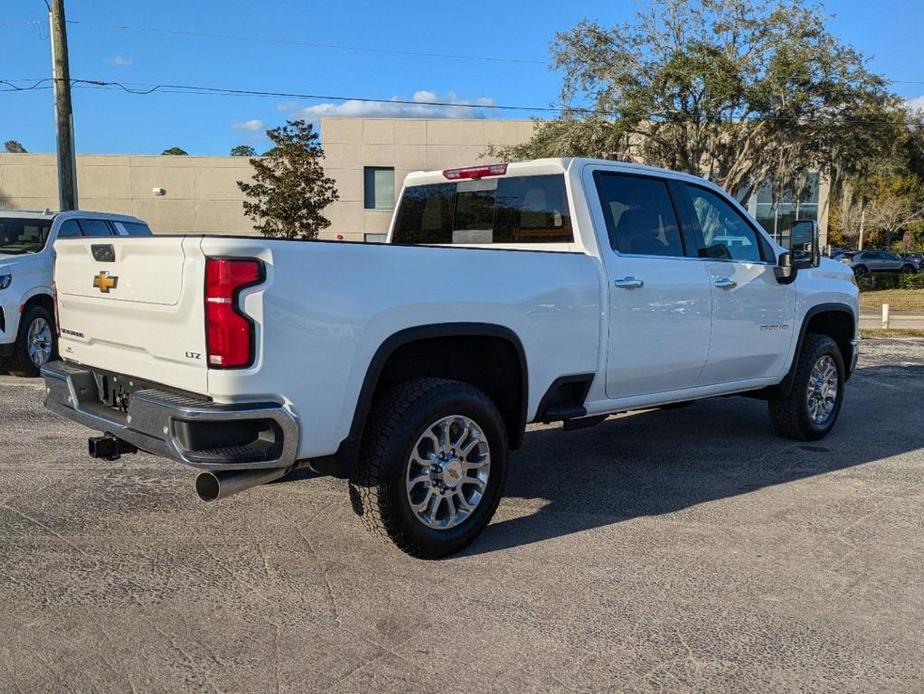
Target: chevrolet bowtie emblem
{"x": 104, "y": 282}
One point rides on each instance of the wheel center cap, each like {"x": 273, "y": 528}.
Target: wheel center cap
{"x": 452, "y": 472}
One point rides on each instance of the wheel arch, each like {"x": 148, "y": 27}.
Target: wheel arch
{"x": 836, "y": 320}
{"x": 427, "y": 350}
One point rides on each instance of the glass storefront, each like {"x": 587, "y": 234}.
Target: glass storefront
{"x": 778, "y": 218}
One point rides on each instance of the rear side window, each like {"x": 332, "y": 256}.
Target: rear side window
{"x": 132, "y": 229}
{"x": 640, "y": 217}
{"x": 514, "y": 210}
{"x": 95, "y": 227}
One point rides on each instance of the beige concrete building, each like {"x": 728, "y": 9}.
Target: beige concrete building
{"x": 368, "y": 158}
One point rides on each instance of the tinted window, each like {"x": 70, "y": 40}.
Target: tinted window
{"x": 21, "y": 236}
{"x": 132, "y": 228}
{"x": 69, "y": 230}
{"x": 725, "y": 232}
{"x": 639, "y": 215}
{"x": 95, "y": 227}
{"x": 518, "y": 209}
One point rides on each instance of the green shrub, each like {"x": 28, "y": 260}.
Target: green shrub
{"x": 891, "y": 280}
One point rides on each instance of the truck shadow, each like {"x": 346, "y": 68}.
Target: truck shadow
{"x": 659, "y": 462}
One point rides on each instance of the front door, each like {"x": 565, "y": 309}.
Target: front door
{"x": 753, "y": 315}
{"x": 659, "y": 300}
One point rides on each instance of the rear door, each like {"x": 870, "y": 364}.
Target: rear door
{"x": 753, "y": 315}
{"x": 659, "y": 299}
{"x": 134, "y": 306}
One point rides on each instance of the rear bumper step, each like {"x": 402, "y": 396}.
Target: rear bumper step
{"x": 184, "y": 427}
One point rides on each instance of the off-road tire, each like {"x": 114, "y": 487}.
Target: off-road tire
{"x": 790, "y": 415}
{"x": 19, "y": 363}
{"x": 377, "y": 487}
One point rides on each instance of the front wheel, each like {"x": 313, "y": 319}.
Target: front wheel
{"x": 432, "y": 469}
{"x": 908, "y": 269}
{"x": 810, "y": 410}
{"x": 36, "y": 343}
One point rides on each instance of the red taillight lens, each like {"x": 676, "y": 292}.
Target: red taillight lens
{"x": 229, "y": 334}
{"x": 476, "y": 171}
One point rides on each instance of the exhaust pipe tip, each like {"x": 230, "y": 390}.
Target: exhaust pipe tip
{"x": 213, "y": 486}
{"x": 208, "y": 487}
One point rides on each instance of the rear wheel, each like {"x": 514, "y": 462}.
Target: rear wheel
{"x": 812, "y": 407}
{"x": 36, "y": 343}
{"x": 860, "y": 270}
{"x": 432, "y": 469}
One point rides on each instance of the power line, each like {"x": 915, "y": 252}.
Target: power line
{"x": 307, "y": 44}
{"x": 142, "y": 89}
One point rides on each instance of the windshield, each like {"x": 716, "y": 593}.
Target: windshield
{"x": 19, "y": 236}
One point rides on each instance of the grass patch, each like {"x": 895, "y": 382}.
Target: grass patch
{"x": 909, "y": 300}
{"x": 891, "y": 332}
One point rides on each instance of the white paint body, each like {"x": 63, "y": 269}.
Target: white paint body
{"x": 32, "y": 273}
{"x": 326, "y": 307}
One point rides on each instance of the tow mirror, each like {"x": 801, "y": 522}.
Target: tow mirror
{"x": 803, "y": 244}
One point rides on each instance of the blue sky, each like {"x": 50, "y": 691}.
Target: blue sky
{"x": 115, "y": 122}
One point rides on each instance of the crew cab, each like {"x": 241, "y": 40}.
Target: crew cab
{"x": 542, "y": 291}
{"x": 27, "y": 329}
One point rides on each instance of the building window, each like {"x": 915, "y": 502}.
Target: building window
{"x": 777, "y": 217}
{"x": 375, "y": 238}
{"x": 379, "y": 186}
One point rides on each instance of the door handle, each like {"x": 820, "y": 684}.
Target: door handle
{"x": 725, "y": 283}
{"x": 628, "y": 283}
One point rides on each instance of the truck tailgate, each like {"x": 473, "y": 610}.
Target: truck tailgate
{"x": 134, "y": 305}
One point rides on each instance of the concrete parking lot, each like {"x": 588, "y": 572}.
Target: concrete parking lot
{"x": 679, "y": 550}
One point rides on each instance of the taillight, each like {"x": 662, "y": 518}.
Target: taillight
{"x": 476, "y": 171}
{"x": 229, "y": 334}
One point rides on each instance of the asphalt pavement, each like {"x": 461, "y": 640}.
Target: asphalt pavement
{"x": 682, "y": 550}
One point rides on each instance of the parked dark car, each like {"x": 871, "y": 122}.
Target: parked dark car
{"x": 865, "y": 262}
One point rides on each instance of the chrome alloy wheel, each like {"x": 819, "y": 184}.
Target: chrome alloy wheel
{"x": 38, "y": 342}
{"x": 447, "y": 473}
{"x": 821, "y": 396}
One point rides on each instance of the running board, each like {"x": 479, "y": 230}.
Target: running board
{"x": 583, "y": 422}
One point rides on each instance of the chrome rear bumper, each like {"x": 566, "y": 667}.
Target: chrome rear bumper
{"x": 184, "y": 427}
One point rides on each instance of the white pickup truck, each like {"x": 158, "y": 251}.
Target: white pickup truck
{"x": 551, "y": 290}
{"x": 27, "y": 237}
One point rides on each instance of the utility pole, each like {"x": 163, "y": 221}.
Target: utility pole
{"x": 64, "y": 117}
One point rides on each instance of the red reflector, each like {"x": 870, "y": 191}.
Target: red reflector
{"x": 229, "y": 334}
{"x": 476, "y": 171}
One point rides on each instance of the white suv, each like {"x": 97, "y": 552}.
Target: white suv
{"x": 27, "y": 332}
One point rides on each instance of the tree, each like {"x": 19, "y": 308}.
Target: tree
{"x": 896, "y": 203}
{"x": 175, "y": 152}
{"x": 737, "y": 91}
{"x": 243, "y": 151}
{"x": 14, "y": 147}
{"x": 290, "y": 190}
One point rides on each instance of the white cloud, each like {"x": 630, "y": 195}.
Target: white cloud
{"x": 422, "y": 104}
{"x": 121, "y": 60}
{"x": 251, "y": 125}
{"x": 916, "y": 104}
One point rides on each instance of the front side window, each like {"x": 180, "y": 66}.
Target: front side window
{"x": 726, "y": 234}
{"x": 511, "y": 210}
{"x": 69, "y": 229}
{"x": 22, "y": 236}
{"x": 639, "y": 214}
{"x": 95, "y": 227}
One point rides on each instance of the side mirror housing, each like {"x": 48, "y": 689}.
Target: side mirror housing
{"x": 803, "y": 244}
